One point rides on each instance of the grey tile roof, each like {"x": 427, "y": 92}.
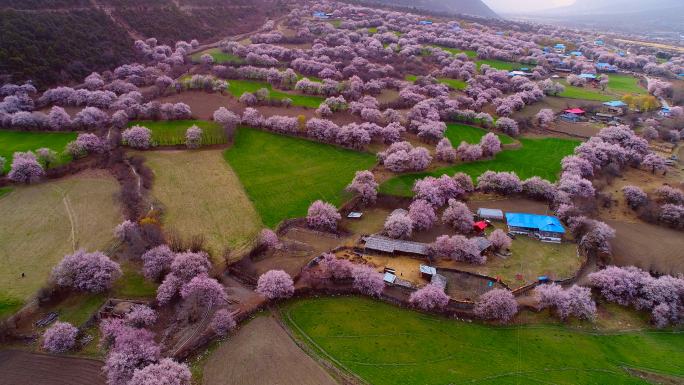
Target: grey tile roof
{"x": 389, "y": 245}
{"x": 482, "y": 243}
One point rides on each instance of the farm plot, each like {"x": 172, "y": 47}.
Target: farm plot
{"x": 13, "y": 141}
{"x": 390, "y": 345}
{"x": 456, "y": 84}
{"x": 219, "y": 57}
{"x": 588, "y": 93}
{"x": 203, "y": 196}
{"x": 500, "y": 65}
{"x": 454, "y": 51}
{"x": 20, "y": 367}
{"x": 173, "y": 133}
{"x": 238, "y": 87}
{"x": 537, "y": 157}
{"x": 42, "y": 223}
{"x": 625, "y": 84}
{"x": 457, "y": 133}
{"x": 284, "y": 175}
{"x": 262, "y": 353}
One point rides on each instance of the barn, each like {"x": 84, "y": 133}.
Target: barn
{"x": 386, "y": 245}
{"x": 546, "y": 228}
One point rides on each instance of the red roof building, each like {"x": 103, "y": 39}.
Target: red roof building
{"x": 479, "y": 227}
{"x": 575, "y": 111}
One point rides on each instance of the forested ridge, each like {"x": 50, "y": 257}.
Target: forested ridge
{"x": 57, "y": 41}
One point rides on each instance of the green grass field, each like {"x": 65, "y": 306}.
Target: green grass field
{"x": 389, "y": 345}
{"x": 453, "y": 50}
{"x": 238, "y": 87}
{"x": 625, "y": 84}
{"x": 587, "y": 92}
{"x": 457, "y": 84}
{"x": 456, "y": 133}
{"x": 13, "y": 141}
{"x": 219, "y": 57}
{"x": 537, "y": 157}
{"x": 500, "y": 65}
{"x": 284, "y": 175}
{"x": 173, "y": 133}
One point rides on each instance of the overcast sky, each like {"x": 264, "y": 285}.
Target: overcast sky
{"x": 525, "y": 5}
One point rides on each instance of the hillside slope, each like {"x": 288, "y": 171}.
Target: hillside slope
{"x": 51, "y": 41}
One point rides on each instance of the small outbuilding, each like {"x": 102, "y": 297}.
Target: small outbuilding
{"x": 389, "y": 278}
{"x": 483, "y": 244}
{"x": 576, "y": 111}
{"x": 491, "y": 214}
{"x": 426, "y": 272}
{"x": 572, "y": 118}
{"x": 479, "y": 227}
{"x": 354, "y": 215}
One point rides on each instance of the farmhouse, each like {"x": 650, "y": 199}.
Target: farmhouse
{"x": 575, "y": 111}
{"x": 394, "y": 246}
{"x": 546, "y": 228}
{"x": 559, "y": 48}
{"x": 588, "y": 76}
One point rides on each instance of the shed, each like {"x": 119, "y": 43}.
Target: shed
{"x": 354, "y": 215}
{"x": 572, "y": 118}
{"x": 601, "y": 116}
{"x": 425, "y": 22}
{"x": 395, "y": 246}
{"x": 575, "y": 111}
{"x": 399, "y": 211}
{"x": 426, "y": 272}
{"x": 587, "y": 76}
{"x": 482, "y": 243}
{"x": 479, "y": 227}
{"x": 389, "y": 278}
{"x": 576, "y": 53}
{"x": 492, "y": 214}
{"x": 615, "y": 103}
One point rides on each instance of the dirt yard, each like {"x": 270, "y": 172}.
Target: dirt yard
{"x": 24, "y": 368}
{"x": 262, "y": 353}
{"x": 584, "y": 129}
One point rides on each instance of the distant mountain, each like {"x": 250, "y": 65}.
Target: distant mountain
{"x": 580, "y": 7}
{"x": 466, "y": 7}
{"x": 657, "y": 18}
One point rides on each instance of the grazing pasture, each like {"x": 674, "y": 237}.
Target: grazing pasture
{"x": 385, "y": 344}
{"x": 456, "y": 84}
{"x": 219, "y": 57}
{"x": 284, "y": 175}
{"x": 625, "y": 84}
{"x": 537, "y": 157}
{"x": 453, "y": 50}
{"x": 203, "y": 196}
{"x": 498, "y": 64}
{"x": 587, "y": 92}
{"x": 261, "y": 352}
{"x": 239, "y": 87}
{"x": 173, "y": 133}
{"x": 41, "y": 223}
{"x": 13, "y": 141}
{"x": 456, "y": 133}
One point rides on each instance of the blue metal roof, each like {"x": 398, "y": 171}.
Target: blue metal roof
{"x": 424, "y": 22}
{"x": 588, "y": 76}
{"x": 531, "y": 221}
{"x": 457, "y": 27}
{"x": 576, "y": 53}
{"x": 602, "y": 64}
{"x": 622, "y": 54}
{"x": 615, "y": 103}
{"x": 559, "y": 45}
